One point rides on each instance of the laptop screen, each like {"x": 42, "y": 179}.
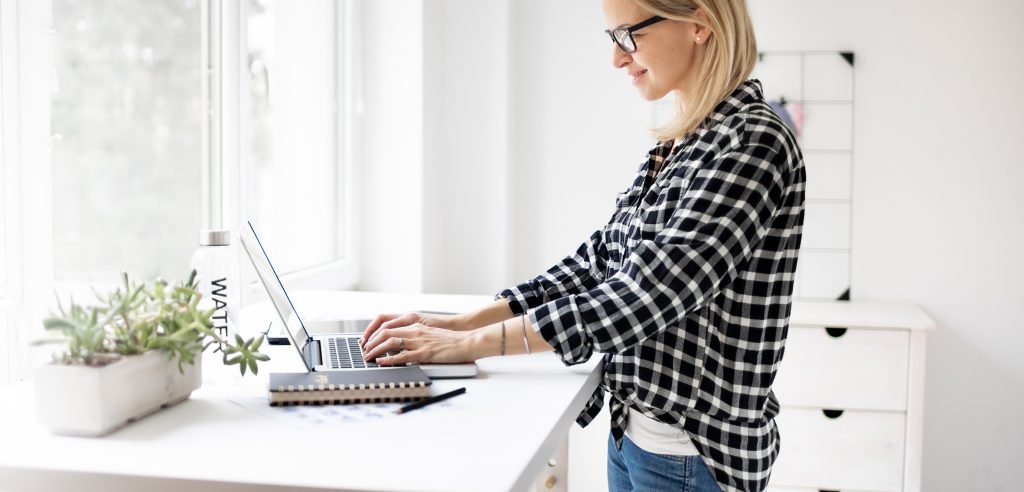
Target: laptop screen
{"x": 275, "y": 289}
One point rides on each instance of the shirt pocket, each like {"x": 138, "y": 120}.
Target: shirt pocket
{"x": 671, "y": 190}
{"x": 627, "y": 199}
{"x": 680, "y": 179}
{"x": 615, "y": 233}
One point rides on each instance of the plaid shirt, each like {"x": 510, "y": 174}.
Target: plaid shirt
{"x": 686, "y": 290}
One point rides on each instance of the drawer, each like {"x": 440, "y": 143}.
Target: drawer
{"x": 840, "y": 368}
{"x": 851, "y": 451}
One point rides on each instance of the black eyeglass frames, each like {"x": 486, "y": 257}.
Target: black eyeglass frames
{"x": 623, "y": 36}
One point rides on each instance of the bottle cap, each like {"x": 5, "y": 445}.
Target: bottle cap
{"x": 214, "y": 238}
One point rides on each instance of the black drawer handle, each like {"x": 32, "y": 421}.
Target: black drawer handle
{"x": 827, "y": 490}
{"x": 832, "y": 414}
{"x": 835, "y": 332}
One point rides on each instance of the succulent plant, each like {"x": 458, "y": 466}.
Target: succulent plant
{"x": 135, "y": 318}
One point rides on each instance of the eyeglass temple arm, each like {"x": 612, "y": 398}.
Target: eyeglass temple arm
{"x": 637, "y": 27}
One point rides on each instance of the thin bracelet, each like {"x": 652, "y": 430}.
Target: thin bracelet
{"x": 525, "y": 342}
{"x": 502, "y": 338}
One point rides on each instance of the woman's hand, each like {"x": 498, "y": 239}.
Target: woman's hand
{"x": 419, "y": 343}
{"x": 386, "y": 321}
{"x": 435, "y": 338}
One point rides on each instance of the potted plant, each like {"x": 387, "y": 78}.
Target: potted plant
{"x": 135, "y": 352}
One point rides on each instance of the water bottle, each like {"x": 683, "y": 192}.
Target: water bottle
{"x": 218, "y": 283}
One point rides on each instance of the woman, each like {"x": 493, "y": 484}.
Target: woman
{"x": 686, "y": 290}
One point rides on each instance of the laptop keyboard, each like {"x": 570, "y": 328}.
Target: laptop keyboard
{"x": 345, "y": 353}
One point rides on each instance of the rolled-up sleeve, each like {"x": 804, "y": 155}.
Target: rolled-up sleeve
{"x": 722, "y": 216}
{"x": 576, "y": 273}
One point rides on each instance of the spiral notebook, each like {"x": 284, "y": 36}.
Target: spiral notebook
{"x": 399, "y": 384}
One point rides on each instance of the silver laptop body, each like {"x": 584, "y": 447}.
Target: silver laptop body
{"x": 334, "y": 345}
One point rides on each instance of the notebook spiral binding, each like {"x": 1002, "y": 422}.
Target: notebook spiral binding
{"x": 342, "y": 394}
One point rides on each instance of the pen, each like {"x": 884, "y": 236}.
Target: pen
{"x": 431, "y": 400}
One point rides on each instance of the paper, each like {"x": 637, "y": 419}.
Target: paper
{"x": 320, "y": 415}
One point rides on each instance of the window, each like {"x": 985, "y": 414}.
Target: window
{"x": 294, "y": 130}
{"x": 166, "y": 117}
{"x": 295, "y": 186}
{"x": 127, "y": 115}
{"x": 293, "y": 62}
{"x": 128, "y": 108}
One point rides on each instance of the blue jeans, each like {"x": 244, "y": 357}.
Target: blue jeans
{"x": 633, "y": 468}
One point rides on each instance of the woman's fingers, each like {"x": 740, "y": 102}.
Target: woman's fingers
{"x": 388, "y": 321}
{"x": 401, "y": 358}
{"x": 374, "y": 326}
{"x": 382, "y": 337}
{"x": 394, "y": 343}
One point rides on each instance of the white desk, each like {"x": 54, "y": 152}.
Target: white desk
{"x": 497, "y": 436}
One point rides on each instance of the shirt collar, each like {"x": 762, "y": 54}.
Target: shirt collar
{"x": 746, "y": 93}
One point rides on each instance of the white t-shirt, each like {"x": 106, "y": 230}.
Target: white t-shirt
{"x": 658, "y": 437}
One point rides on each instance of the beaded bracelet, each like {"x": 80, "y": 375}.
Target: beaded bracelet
{"x": 502, "y": 338}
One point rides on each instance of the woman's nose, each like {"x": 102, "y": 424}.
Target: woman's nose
{"x": 619, "y": 58}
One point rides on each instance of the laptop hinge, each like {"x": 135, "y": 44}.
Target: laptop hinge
{"x": 312, "y": 353}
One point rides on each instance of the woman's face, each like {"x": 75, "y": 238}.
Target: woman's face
{"x": 667, "y": 54}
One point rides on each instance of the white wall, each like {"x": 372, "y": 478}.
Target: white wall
{"x": 579, "y": 130}
{"x": 466, "y": 153}
{"x": 525, "y": 123}
{"x": 433, "y": 153}
{"x": 390, "y": 155}
{"x": 936, "y": 217}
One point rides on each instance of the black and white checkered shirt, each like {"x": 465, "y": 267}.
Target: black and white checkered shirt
{"x": 686, "y": 291}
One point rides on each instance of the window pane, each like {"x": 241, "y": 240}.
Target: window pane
{"x": 293, "y": 191}
{"x": 127, "y": 105}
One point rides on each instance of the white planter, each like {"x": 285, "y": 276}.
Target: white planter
{"x": 93, "y": 401}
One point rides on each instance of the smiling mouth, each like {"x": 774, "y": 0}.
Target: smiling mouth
{"x": 639, "y": 74}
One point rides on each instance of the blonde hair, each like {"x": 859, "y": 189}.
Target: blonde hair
{"x": 729, "y": 57}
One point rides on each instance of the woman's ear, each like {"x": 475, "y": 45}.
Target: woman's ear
{"x": 701, "y": 31}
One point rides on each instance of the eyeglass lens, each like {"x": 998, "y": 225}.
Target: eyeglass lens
{"x": 625, "y": 40}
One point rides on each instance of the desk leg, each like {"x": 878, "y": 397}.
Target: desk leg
{"x": 555, "y": 476}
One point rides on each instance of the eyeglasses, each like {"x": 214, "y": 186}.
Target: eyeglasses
{"x": 623, "y": 36}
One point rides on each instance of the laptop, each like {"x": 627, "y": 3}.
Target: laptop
{"x": 325, "y": 351}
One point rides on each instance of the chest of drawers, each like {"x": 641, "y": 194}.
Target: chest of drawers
{"x": 851, "y": 387}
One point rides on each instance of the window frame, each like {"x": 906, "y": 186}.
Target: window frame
{"x": 26, "y": 254}
{"x": 225, "y": 162}
{"x": 8, "y": 141}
